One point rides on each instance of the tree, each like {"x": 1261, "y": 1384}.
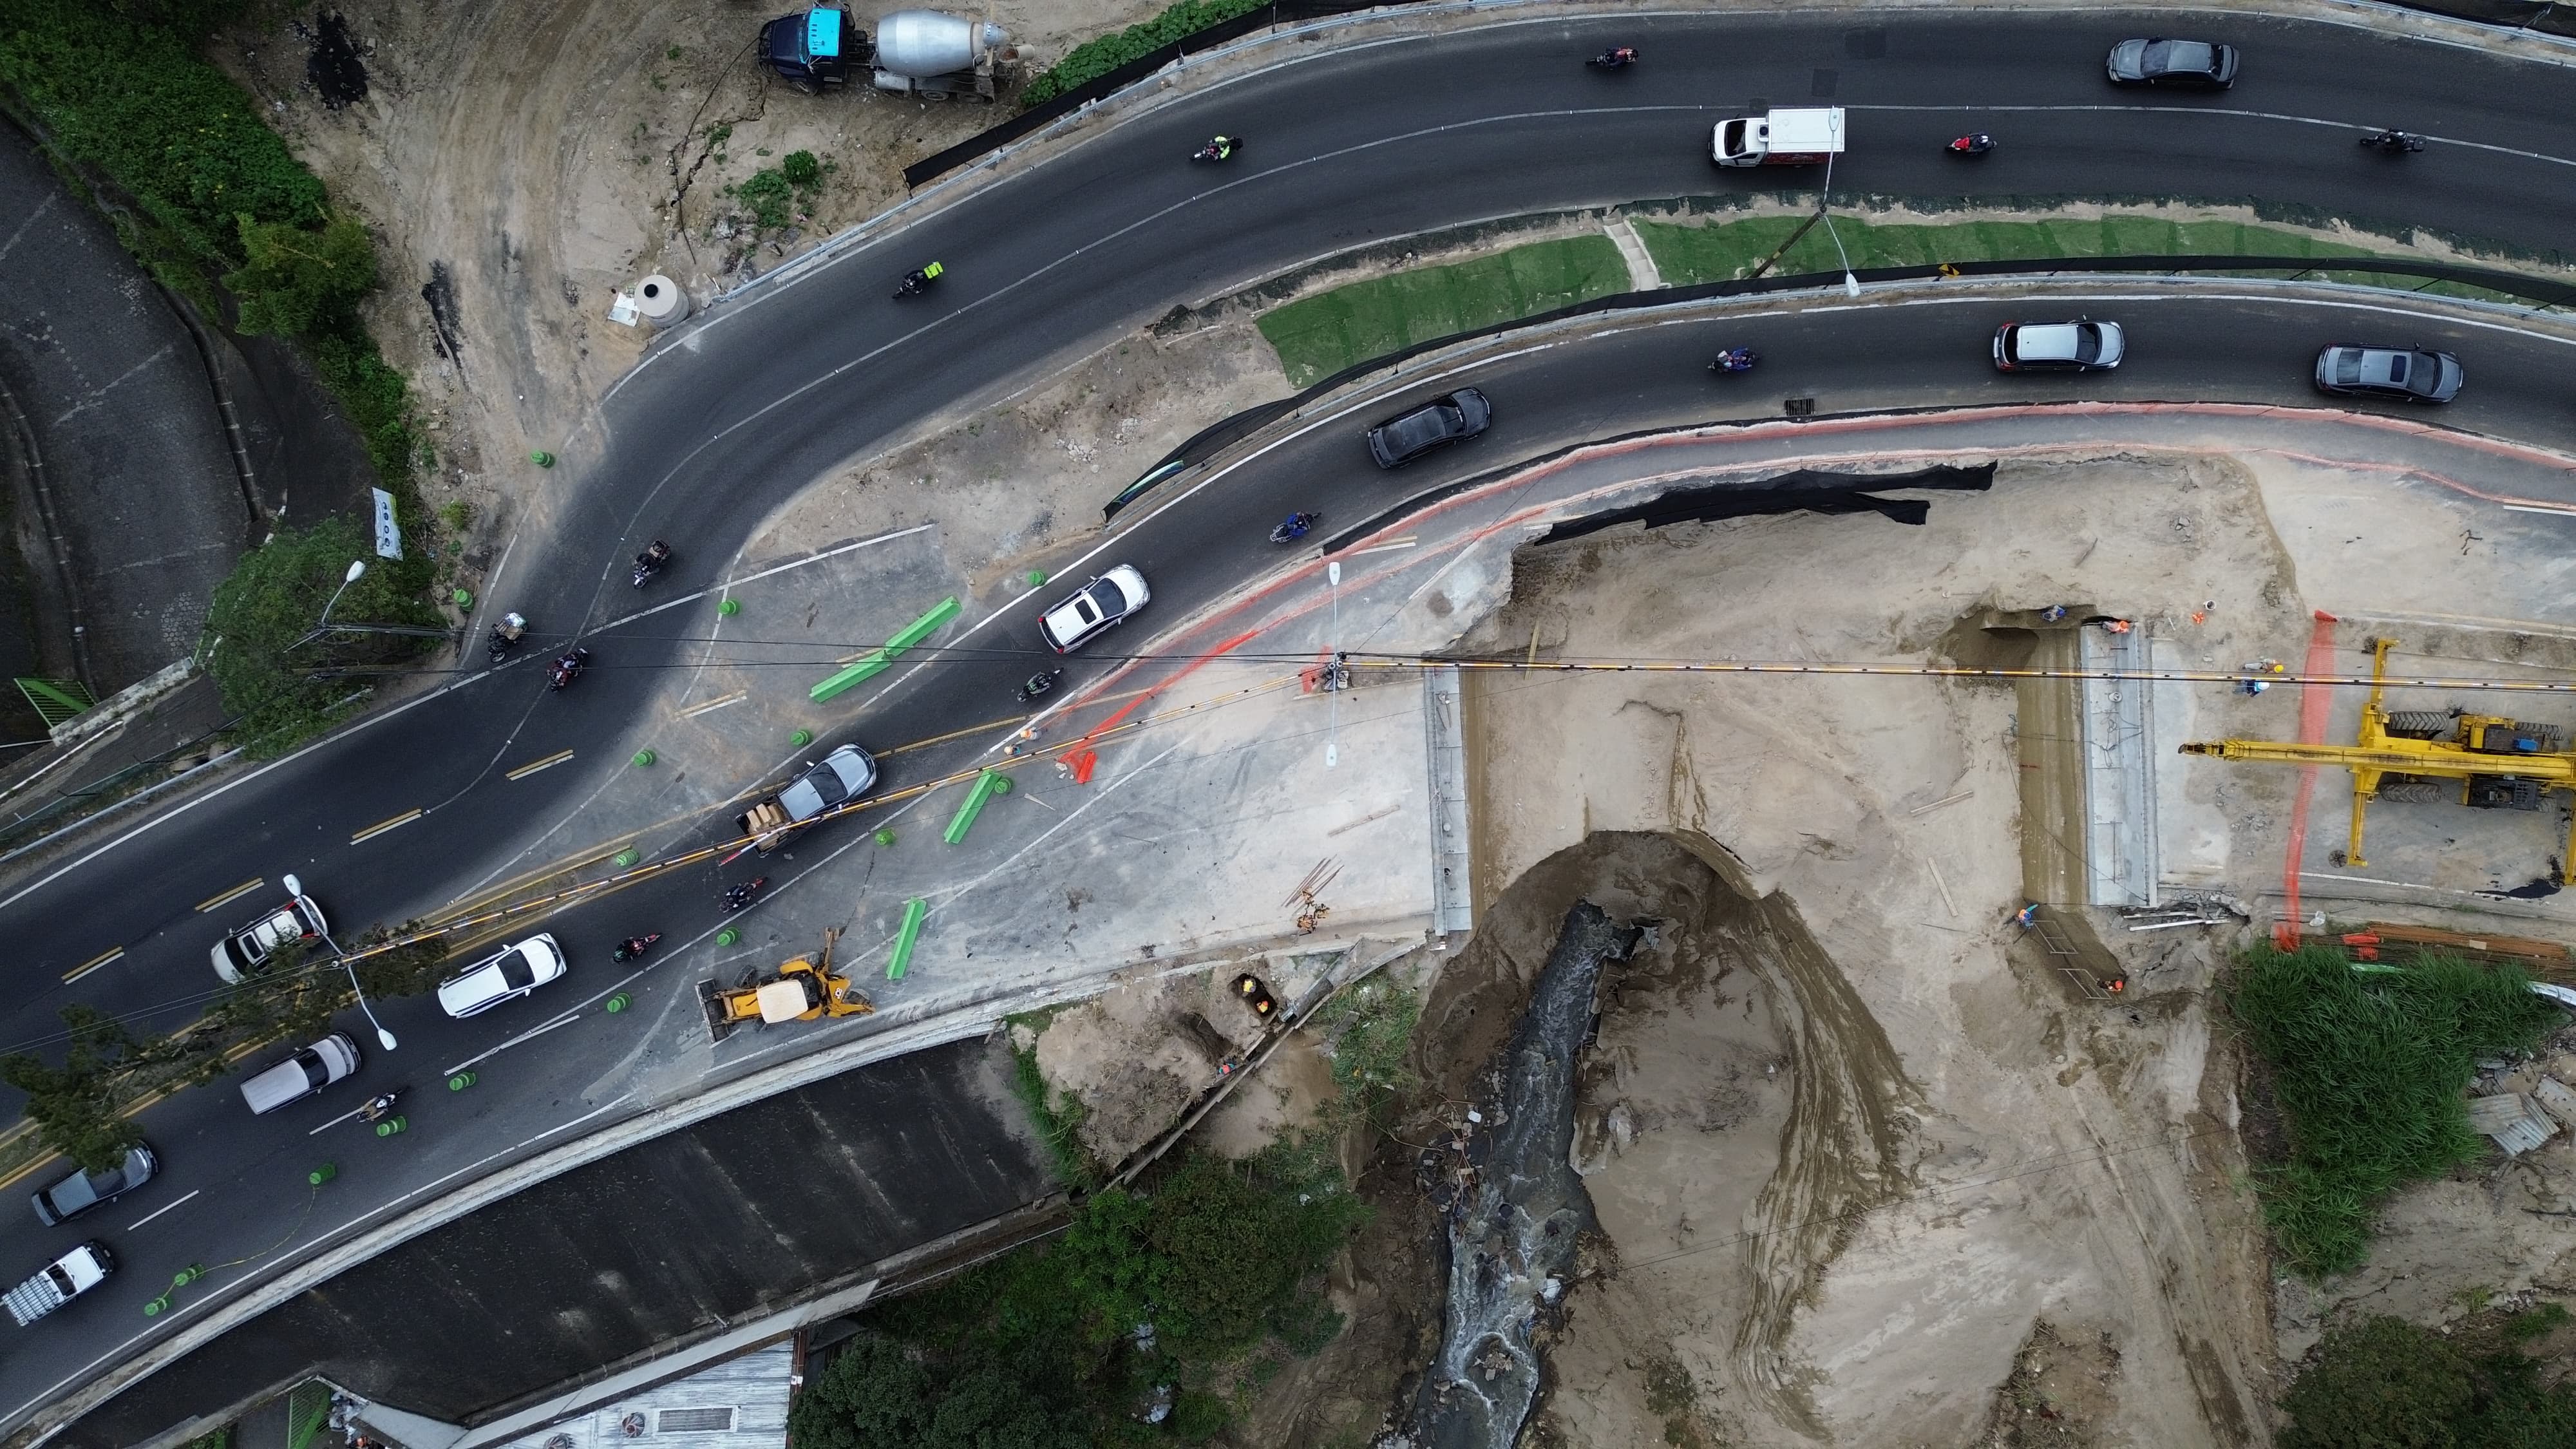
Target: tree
{"x": 262, "y": 613}
{"x": 408, "y": 970}
{"x": 76, "y": 1106}
{"x": 298, "y": 280}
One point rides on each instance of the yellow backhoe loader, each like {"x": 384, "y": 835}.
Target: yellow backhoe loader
{"x": 802, "y": 989}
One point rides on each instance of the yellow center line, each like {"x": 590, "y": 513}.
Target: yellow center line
{"x": 230, "y": 896}
{"x": 381, "y": 826}
{"x": 719, "y": 702}
{"x": 533, "y": 766}
{"x": 93, "y": 963}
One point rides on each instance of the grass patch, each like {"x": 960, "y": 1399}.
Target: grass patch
{"x": 1688, "y": 255}
{"x": 1320, "y": 335}
{"x": 2386, "y": 1384}
{"x": 1057, "y": 1115}
{"x": 1170, "y": 1293}
{"x": 2368, "y": 1069}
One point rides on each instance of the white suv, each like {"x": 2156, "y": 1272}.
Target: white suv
{"x": 504, "y": 976}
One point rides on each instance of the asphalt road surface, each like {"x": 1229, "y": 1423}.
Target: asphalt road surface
{"x": 732, "y": 418}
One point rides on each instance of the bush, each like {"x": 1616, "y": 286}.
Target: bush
{"x": 296, "y": 281}
{"x": 801, "y": 169}
{"x": 1095, "y": 58}
{"x": 1211, "y": 1257}
{"x": 2387, "y": 1384}
{"x": 1368, "y": 1036}
{"x": 2367, "y": 1067}
{"x": 120, "y": 88}
{"x": 262, "y": 613}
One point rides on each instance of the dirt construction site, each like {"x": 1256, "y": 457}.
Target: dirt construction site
{"x": 1876, "y": 1152}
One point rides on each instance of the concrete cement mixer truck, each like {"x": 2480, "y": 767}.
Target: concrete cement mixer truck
{"x": 914, "y": 52}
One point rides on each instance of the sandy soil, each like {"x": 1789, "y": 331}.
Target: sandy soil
{"x": 536, "y": 158}
{"x": 1852, "y": 1144}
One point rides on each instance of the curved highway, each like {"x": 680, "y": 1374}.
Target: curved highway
{"x": 730, "y": 419}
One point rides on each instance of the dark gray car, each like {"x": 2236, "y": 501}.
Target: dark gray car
{"x": 2190, "y": 64}
{"x": 78, "y": 1193}
{"x": 1449, "y": 418}
{"x": 2407, "y": 374}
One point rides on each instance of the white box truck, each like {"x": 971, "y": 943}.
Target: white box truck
{"x": 59, "y": 1282}
{"x": 1803, "y": 137}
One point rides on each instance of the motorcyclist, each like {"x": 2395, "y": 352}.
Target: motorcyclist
{"x": 737, "y": 897}
{"x": 569, "y": 665}
{"x": 1220, "y": 149}
{"x": 1296, "y": 527}
{"x": 2394, "y": 141}
{"x": 376, "y": 1107}
{"x": 1734, "y": 359}
{"x": 1616, "y": 57}
{"x": 655, "y": 554}
{"x": 918, "y": 280}
{"x": 1976, "y": 144}
{"x": 506, "y": 635}
{"x": 1038, "y": 684}
{"x": 632, "y": 947}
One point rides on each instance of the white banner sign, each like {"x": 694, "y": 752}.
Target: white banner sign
{"x": 388, "y": 532}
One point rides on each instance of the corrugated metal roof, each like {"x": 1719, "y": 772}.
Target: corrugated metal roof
{"x": 738, "y": 1404}
{"x": 2510, "y": 1118}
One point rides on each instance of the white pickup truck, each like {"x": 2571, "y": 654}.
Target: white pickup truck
{"x": 1802, "y": 137}
{"x": 59, "y": 1282}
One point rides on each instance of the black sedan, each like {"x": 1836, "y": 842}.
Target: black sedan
{"x": 2199, "y": 64}
{"x": 2406, "y": 374}
{"x": 1449, "y": 418}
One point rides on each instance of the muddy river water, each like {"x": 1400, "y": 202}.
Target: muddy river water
{"x": 1513, "y": 1221}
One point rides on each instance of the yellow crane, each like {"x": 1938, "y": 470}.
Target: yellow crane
{"x": 2412, "y": 755}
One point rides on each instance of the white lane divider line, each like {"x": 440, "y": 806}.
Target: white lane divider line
{"x": 567, "y": 1019}
{"x": 156, "y": 1212}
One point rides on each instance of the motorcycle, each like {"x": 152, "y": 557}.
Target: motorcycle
{"x": 744, "y": 894}
{"x": 567, "y": 668}
{"x": 650, "y": 562}
{"x": 634, "y": 946}
{"x": 918, "y": 281}
{"x": 1220, "y": 149}
{"x": 1975, "y": 145}
{"x": 2392, "y": 143}
{"x": 1297, "y": 527}
{"x": 1616, "y": 58}
{"x": 505, "y": 637}
{"x": 1735, "y": 359}
{"x": 378, "y": 1108}
{"x": 1037, "y": 684}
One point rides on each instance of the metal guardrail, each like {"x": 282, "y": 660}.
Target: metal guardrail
{"x": 2540, "y": 291}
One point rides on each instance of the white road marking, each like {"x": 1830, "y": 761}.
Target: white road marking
{"x": 156, "y": 1212}
{"x": 567, "y": 1019}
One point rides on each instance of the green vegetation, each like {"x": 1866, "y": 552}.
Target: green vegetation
{"x": 263, "y": 613}
{"x": 298, "y": 281}
{"x": 1058, "y": 1115}
{"x": 1320, "y": 335}
{"x": 772, "y": 190}
{"x": 1041, "y": 1348}
{"x": 1687, "y": 255}
{"x": 2367, "y": 1067}
{"x": 205, "y": 194}
{"x": 1096, "y": 58}
{"x": 78, "y": 1106}
{"x": 1368, "y": 1034}
{"x": 2387, "y": 1384}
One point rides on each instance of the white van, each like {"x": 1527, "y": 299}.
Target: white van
{"x": 303, "y": 1074}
